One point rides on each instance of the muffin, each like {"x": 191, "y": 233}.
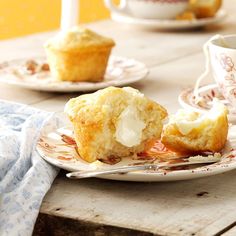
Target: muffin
{"x": 187, "y": 15}
{"x": 78, "y": 54}
{"x": 191, "y": 132}
{"x": 205, "y": 8}
{"x": 114, "y": 122}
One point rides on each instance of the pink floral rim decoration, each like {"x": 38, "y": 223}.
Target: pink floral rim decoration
{"x": 228, "y": 84}
{"x": 207, "y": 94}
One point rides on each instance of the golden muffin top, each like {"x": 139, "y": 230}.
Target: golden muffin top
{"x": 110, "y": 98}
{"x": 77, "y": 39}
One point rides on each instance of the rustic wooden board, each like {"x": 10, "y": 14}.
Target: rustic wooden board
{"x": 196, "y": 207}
{"x": 61, "y": 226}
{"x": 231, "y": 231}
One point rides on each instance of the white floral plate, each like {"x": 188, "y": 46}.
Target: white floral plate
{"x": 34, "y": 74}
{"x": 169, "y": 24}
{"x": 57, "y": 146}
{"x": 207, "y": 94}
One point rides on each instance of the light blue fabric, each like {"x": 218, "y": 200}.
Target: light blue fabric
{"x": 24, "y": 176}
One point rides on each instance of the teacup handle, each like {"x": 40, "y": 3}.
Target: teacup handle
{"x": 207, "y": 67}
{"x": 122, "y": 8}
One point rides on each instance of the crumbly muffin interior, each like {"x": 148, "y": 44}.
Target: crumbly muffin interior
{"x": 195, "y": 133}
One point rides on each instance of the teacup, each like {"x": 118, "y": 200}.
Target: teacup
{"x": 220, "y": 52}
{"x": 149, "y": 9}
{"x": 222, "y": 55}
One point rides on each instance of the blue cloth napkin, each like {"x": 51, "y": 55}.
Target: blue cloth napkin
{"x": 24, "y": 176}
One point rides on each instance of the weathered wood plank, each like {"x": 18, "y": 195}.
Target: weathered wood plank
{"x": 15, "y": 94}
{"x": 223, "y": 222}
{"x": 47, "y": 225}
{"x": 231, "y": 232}
{"x": 177, "y": 208}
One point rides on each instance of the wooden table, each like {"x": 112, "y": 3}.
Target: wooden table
{"x": 100, "y": 207}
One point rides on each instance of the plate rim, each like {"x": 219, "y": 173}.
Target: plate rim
{"x": 142, "y": 175}
{"x": 170, "y": 24}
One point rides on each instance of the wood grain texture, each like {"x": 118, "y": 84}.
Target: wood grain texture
{"x": 231, "y": 231}
{"x": 15, "y": 94}
{"x": 196, "y": 207}
{"x": 48, "y": 225}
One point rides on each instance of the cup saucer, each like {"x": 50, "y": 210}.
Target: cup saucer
{"x": 169, "y": 24}
{"x": 207, "y": 93}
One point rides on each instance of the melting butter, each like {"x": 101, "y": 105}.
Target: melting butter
{"x": 129, "y": 127}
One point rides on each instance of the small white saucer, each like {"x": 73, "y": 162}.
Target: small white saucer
{"x": 120, "y": 72}
{"x": 169, "y": 24}
{"x": 207, "y": 93}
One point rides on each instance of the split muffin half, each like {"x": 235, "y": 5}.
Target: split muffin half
{"x": 115, "y": 122}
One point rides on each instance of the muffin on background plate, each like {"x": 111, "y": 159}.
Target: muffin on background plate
{"x": 78, "y": 54}
{"x": 200, "y": 9}
{"x": 205, "y": 8}
{"x": 114, "y": 122}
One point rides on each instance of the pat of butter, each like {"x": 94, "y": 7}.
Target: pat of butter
{"x": 185, "y": 121}
{"x": 186, "y": 127}
{"x": 129, "y": 127}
